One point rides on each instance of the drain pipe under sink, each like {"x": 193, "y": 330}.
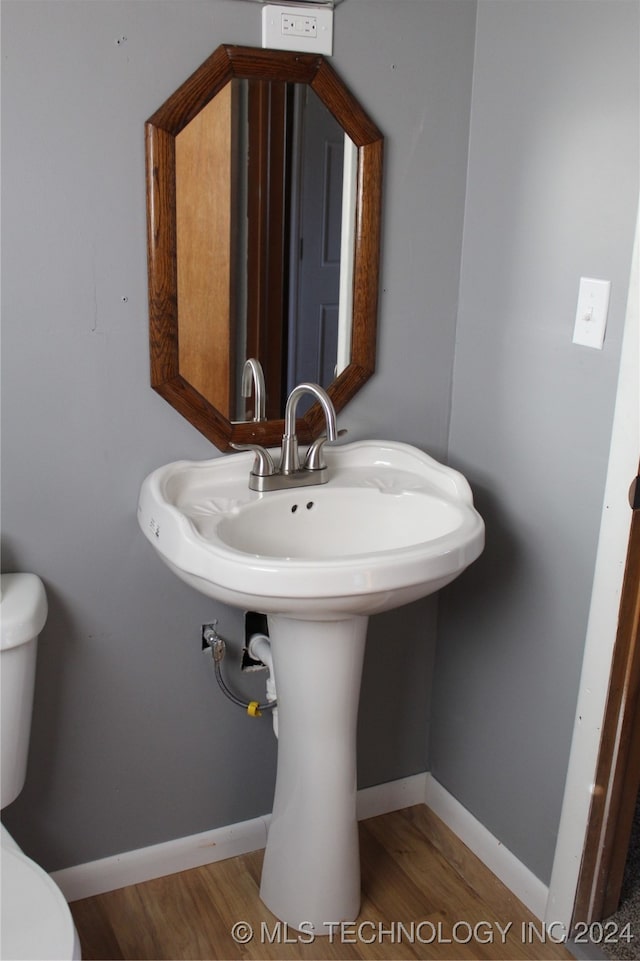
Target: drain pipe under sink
{"x": 259, "y": 648}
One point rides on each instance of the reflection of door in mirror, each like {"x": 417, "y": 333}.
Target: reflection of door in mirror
{"x": 206, "y": 187}
{"x": 316, "y": 224}
{"x": 289, "y": 266}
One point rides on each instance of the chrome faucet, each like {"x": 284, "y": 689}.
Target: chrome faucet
{"x": 265, "y": 477}
{"x": 253, "y": 373}
{"x": 290, "y": 460}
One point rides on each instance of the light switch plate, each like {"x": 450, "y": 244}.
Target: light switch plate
{"x": 591, "y": 313}
{"x": 308, "y": 28}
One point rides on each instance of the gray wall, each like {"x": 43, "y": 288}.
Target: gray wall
{"x": 552, "y": 195}
{"x": 132, "y": 742}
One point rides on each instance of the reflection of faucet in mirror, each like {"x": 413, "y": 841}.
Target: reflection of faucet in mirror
{"x": 253, "y": 374}
{"x": 265, "y": 477}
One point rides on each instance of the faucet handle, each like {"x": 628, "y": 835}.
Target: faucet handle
{"x": 314, "y": 459}
{"x": 263, "y": 465}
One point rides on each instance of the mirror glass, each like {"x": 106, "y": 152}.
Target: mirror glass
{"x": 263, "y": 200}
{"x": 256, "y": 282}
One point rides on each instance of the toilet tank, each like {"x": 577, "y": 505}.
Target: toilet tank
{"x": 23, "y": 612}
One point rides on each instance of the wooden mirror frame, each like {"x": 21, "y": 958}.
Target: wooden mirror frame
{"x": 224, "y": 64}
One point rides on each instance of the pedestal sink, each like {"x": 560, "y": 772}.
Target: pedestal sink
{"x": 390, "y": 526}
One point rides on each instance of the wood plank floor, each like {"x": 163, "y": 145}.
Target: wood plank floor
{"x": 425, "y": 895}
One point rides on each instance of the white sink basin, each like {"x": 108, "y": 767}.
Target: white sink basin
{"x": 390, "y": 526}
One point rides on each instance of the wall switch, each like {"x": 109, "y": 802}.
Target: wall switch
{"x": 308, "y": 28}
{"x": 591, "y": 314}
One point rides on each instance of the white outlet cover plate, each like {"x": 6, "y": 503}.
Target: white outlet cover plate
{"x": 280, "y": 25}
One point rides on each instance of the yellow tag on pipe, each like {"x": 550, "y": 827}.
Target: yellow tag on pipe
{"x": 252, "y": 709}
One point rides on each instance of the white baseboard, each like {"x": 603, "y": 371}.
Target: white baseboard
{"x": 512, "y": 872}
{"x": 158, "y": 860}
{"x": 392, "y": 796}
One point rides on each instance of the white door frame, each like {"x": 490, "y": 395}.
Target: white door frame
{"x": 603, "y": 618}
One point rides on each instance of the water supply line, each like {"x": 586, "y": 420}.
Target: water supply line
{"x": 218, "y": 650}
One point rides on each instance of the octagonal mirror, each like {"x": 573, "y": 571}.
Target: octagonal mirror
{"x": 263, "y": 216}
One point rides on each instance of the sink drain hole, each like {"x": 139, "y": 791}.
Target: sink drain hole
{"x": 310, "y": 505}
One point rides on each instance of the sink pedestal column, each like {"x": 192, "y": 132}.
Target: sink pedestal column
{"x": 311, "y": 872}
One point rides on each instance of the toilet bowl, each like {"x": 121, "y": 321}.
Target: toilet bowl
{"x": 36, "y": 920}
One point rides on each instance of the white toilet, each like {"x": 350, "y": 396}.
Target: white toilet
{"x": 36, "y": 921}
